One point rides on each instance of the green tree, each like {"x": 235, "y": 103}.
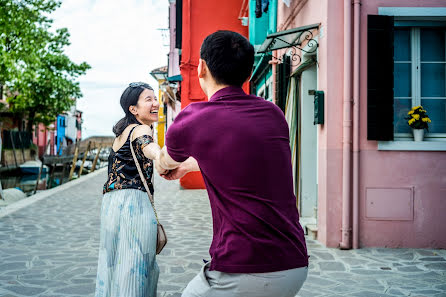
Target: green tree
{"x": 40, "y": 78}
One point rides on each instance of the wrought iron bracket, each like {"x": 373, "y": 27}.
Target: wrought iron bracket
{"x": 299, "y": 41}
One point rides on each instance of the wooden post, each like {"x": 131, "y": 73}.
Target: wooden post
{"x": 83, "y": 160}
{"x": 1, "y": 192}
{"x": 40, "y": 174}
{"x": 93, "y": 167}
{"x": 63, "y": 172}
{"x": 73, "y": 165}
{"x": 51, "y": 178}
{"x": 13, "y": 148}
{"x": 23, "y": 150}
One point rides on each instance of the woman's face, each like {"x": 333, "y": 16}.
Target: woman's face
{"x": 147, "y": 107}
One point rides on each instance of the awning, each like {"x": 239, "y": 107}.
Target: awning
{"x": 175, "y": 78}
{"x": 288, "y": 38}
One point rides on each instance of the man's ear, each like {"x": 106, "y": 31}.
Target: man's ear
{"x": 133, "y": 110}
{"x": 202, "y": 68}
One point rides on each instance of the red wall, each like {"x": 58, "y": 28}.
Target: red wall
{"x": 201, "y": 18}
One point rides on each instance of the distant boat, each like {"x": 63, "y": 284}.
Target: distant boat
{"x": 33, "y": 167}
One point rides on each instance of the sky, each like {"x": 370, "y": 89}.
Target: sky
{"x": 121, "y": 42}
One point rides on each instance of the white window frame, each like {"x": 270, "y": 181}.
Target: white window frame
{"x": 404, "y": 142}
{"x": 416, "y": 62}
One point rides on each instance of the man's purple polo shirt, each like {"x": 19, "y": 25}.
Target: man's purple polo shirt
{"x": 242, "y": 146}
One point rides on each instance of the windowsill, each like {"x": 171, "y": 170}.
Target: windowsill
{"x": 410, "y": 145}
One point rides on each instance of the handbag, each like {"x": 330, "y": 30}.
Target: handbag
{"x": 161, "y": 237}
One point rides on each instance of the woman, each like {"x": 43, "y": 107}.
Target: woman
{"x": 127, "y": 265}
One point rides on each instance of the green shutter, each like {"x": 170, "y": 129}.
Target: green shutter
{"x": 282, "y": 79}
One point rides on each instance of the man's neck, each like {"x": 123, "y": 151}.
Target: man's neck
{"x": 214, "y": 89}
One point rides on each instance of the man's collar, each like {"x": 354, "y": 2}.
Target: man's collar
{"x": 227, "y": 92}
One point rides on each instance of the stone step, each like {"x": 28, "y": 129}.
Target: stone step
{"x": 311, "y": 230}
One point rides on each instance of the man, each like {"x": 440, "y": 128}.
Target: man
{"x": 241, "y": 144}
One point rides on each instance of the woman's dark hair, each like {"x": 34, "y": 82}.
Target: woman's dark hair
{"x": 129, "y": 97}
{"x": 229, "y": 57}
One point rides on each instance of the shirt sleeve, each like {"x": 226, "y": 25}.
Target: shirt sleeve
{"x": 178, "y": 138}
{"x": 143, "y": 141}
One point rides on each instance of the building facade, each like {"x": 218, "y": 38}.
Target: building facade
{"x": 346, "y": 75}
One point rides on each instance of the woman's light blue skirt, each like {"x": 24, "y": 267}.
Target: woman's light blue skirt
{"x": 127, "y": 265}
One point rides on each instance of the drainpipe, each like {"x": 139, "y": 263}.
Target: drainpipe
{"x": 356, "y": 60}
{"x": 347, "y": 130}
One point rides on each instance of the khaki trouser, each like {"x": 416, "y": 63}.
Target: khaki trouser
{"x": 285, "y": 283}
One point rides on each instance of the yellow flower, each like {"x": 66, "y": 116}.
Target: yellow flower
{"x": 425, "y": 119}
{"x": 416, "y": 116}
{"x": 411, "y": 121}
{"x": 410, "y": 112}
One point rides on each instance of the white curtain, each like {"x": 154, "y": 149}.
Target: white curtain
{"x": 291, "y": 118}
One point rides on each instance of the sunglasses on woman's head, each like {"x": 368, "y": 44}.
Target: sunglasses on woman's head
{"x": 139, "y": 84}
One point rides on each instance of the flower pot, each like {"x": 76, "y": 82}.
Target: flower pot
{"x": 418, "y": 134}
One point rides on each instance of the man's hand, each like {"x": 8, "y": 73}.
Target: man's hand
{"x": 187, "y": 166}
{"x": 176, "y": 173}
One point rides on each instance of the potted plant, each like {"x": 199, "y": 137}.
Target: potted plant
{"x": 418, "y": 121}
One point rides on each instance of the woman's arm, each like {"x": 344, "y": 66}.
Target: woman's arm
{"x": 150, "y": 150}
{"x": 187, "y": 166}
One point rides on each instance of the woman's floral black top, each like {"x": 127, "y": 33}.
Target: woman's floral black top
{"x": 122, "y": 171}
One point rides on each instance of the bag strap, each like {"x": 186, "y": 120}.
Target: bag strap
{"x": 141, "y": 175}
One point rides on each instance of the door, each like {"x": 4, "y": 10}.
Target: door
{"x": 308, "y": 145}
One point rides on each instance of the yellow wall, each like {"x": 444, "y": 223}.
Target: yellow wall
{"x": 161, "y": 117}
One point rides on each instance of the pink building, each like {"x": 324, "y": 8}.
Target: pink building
{"x": 360, "y": 177}
{"x": 43, "y": 136}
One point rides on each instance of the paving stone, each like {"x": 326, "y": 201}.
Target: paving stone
{"x": 162, "y": 287}
{"x": 369, "y": 294}
{"x": 332, "y": 266}
{"x": 306, "y": 293}
{"x": 441, "y": 287}
{"x": 173, "y": 295}
{"x": 80, "y": 290}
{"x": 427, "y": 292}
{"x": 322, "y": 255}
{"x": 432, "y": 259}
{"x": 177, "y": 269}
{"x": 13, "y": 266}
{"x": 436, "y": 266}
{"x": 27, "y": 291}
{"x": 409, "y": 269}
{"x": 395, "y": 292}
{"x": 320, "y": 282}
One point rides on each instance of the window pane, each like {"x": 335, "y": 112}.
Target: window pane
{"x": 402, "y": 80}
{"x": 432, "y": 45}
{"x": 401, "y": 108}
{"x": 436, "y": 110}
{"x": 402, "y": 45}
{"x": 433, "y": 80}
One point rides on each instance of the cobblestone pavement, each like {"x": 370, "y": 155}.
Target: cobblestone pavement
{"x": 49, "y": 248}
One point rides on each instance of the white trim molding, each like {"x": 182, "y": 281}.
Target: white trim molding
{"x": 413, "y": 11}
{"x": 412, "y": 145}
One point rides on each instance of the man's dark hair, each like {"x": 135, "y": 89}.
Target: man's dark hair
{"x": 229, "y": 57}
